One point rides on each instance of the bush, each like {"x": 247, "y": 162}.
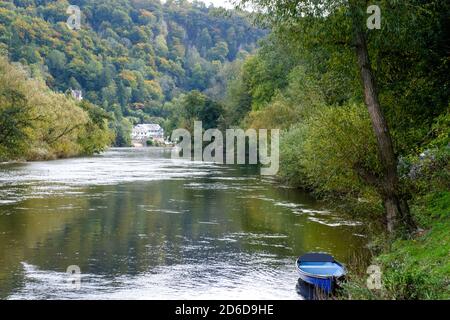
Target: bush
{"x": 428, "y": 170}
{"x": 328, "y": 150}
{"x": 291, "y": 156}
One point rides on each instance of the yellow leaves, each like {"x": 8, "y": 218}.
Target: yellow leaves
{"x": 146, "y": 16}
{"x": 6, "y": 15}
{"x": 163, "y": 62}
{"x": 129, "y": 76}
{"x": 24, "y": 30}
{"x": 122, "y": 60}
{"x": 12, "y": 76}
{"x": 146, "y": 13}
{"x": 57, "y": 121}
{"x": 141, "y": 46}
{"x": 153, "y": 88}
{"x": 277, "y": 115}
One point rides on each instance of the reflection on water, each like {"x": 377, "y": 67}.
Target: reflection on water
{"x": 143, "y": 226}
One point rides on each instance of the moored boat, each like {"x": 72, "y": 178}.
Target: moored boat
{"x": 321, "y": 270}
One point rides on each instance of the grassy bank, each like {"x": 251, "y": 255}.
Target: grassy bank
{"x": 417, "y": 267}
{"x": 415, "y": 264}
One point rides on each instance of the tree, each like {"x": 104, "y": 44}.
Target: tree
{"x": 194, "y": 106}
{"x": 14, "y": 119}
{"x": 348, "y": 18}
{"x": 395, "y": 205}
{"x": 218, "y": 52}
{"x": 122, "y": 41}
{"x": 122, "y": 129}
{"x": 96, "y": 136}
{"x": 56, "y": 61}
{"x": 37, "y": 123}
{"x": 205, "y": 41}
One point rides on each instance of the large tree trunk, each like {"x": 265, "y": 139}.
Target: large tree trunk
{"x": 395, "y": 205}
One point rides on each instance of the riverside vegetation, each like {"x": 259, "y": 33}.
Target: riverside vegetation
{"x": 366, "y": 118}
{"x": 38, "y": 123}
{"x": 364, "y": 113}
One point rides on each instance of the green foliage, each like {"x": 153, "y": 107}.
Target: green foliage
{"x": 14, "y": 119}
{"x": 438, "y": 204}
{"x": 408, "y": 57}
{"x": 122, "y": 131}
{"x": 299, "y": 98}
{"x": 440, "y": 131}
{"x": 218, "y": 52}
{"x": 191, "y": 107}
{"x": 321, "y": 48}
{"x": 127, "y": 52}
{"x": 427, "y": 171}
{"x": 328, "y": 151}
{"x": 15, "y": 112}
{"x": 266, "y": 73}
{"x": 291, "y": 156}
{"x": 96, "y": 136}
{"x": 417, "y": 268}
{"x": 432, "y": 207}
{"x": 331, "y": 149}
{"x": 37, "y": 123}
{"x": 420, "y": 269}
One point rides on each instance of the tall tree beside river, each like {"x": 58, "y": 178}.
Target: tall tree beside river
{"x": 336, "y": 33}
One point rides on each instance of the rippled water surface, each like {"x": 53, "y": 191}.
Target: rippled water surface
{"x": 142, "y": 226}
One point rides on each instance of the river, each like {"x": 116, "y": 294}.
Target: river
{"x": 142, "y": 226}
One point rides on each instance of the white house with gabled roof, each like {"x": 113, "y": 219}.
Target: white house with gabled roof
{"x": 146, "y": 131}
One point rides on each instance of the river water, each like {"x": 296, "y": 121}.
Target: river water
{"x": 142, "y": 226}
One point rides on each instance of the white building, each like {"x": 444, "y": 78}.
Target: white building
{"x": 147, "y": 131}
{"x": 77, "y": 94}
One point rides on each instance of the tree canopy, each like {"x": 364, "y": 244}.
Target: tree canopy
{"x": 130, "y": 56}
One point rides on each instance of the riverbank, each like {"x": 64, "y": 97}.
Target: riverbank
{"x": 37, "y": 123}
{"x": 417, "y": 267}
{"x": 414, "y": 263}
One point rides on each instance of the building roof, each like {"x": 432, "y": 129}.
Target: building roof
{"x": 148, "y": 127}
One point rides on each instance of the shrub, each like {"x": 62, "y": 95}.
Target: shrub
{"x": 328, "y": 151}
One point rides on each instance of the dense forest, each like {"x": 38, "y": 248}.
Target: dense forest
{"x": 130, "y": 56}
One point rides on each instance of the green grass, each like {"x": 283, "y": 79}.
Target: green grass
{"x": 419, "y": 268}
{"x": 416, "y": 268}
{"x": 431, "y": 207}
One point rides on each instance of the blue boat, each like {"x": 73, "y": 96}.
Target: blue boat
{"x": 320, "y": 270}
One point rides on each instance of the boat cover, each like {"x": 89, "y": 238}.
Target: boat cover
{"x": 316, "y": 257}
